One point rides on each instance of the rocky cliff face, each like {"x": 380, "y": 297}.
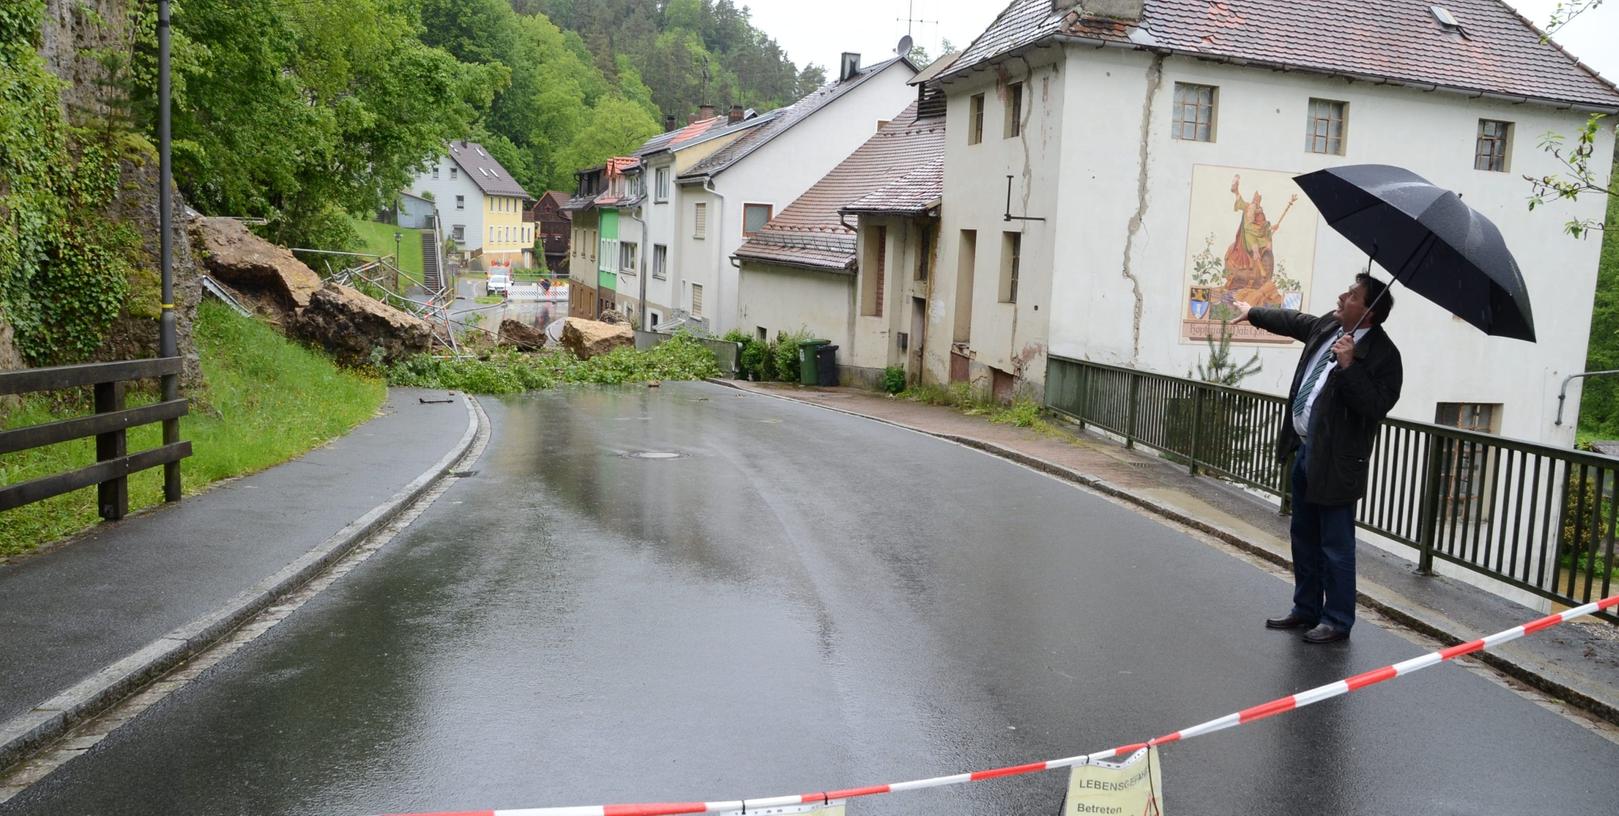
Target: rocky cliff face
{"x": 81, "y": 42}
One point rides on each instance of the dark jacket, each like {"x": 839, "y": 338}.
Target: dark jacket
{"x": 1346, "y": 416}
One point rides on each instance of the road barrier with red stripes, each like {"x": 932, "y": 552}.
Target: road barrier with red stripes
{"x": 1247, "y": 715}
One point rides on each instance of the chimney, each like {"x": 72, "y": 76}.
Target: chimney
{"x": 668, "y": 123}
{"x": 706, "y": 111}
{"x": 1115, "y": 9}
{"x": 848, "y": 66}
{"x": 736, "y": 115}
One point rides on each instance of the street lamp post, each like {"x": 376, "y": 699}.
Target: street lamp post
{"x": 167, "y": 343}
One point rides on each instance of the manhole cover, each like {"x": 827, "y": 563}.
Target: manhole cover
{"x": 652, "y": 455}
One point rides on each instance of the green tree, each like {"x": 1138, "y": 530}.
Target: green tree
{"x": 302, "y": 113}
{"x": 617, "y": 126}
{"x": 1599, "y": 399}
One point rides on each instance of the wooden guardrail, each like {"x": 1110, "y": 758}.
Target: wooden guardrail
{"x": 109, "y": 425}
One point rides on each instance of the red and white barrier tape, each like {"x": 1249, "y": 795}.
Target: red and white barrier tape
{"x": 1247, "y": 715}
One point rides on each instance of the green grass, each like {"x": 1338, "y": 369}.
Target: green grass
{"x": 1022, "y": 413}
{"x": 267, "y": 400}
{"x": 378, "y": 239}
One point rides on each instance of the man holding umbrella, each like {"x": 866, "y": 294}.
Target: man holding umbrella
{"x": 1347, "y": 380}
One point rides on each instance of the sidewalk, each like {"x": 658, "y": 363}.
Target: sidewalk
{"x": 87, "y": 622}
{"x": 1577, "y": 663}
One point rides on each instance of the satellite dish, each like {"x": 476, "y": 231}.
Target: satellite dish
{"x": 904, "y": 46}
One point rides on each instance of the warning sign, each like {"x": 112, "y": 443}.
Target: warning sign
{"x": 833, "y": 808}
{"x": 1134, "y": 787}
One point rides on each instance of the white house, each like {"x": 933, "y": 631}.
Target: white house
{"x": 735, "y": 191}
{"x": 1115, "y": 168}
{"x": 864, "y": 285}
{"x": 663, "y": 158}
{"x": 480, "y": 205}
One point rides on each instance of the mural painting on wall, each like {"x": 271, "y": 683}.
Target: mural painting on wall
{"x": 1250, "y": 237}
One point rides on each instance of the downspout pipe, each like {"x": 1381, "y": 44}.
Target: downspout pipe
{"x": 719, "y": 245}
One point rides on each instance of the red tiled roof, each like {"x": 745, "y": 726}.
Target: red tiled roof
{"x": 911, "y": 194}
{"x": 1496, "y": 51}
{"x": 810, "y": 232}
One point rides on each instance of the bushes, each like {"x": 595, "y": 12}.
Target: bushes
{"x": 893, "y": 379}
{"x": 682, "y": 357}
{"x": 776, "y": 360}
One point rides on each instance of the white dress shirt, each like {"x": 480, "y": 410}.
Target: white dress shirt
{"x": 1301, "y": 420}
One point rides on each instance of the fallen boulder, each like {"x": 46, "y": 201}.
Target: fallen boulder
{"x": 588, "y": 338}
{"x": 246, "y": 261}
{"x": 613, "y": 317}
{"x": 520, "y": 335}
{"x": 358, "y": 330}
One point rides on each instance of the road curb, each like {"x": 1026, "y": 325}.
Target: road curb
{"x": 1372, "y": 596}
{"x": 22, "y": 735}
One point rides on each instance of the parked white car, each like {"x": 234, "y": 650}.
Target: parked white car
{"x": 499, "y": 282}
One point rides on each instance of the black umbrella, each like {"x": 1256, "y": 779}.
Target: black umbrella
{"x": 1429, "y": 240}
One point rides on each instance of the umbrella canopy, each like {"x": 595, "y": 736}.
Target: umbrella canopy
{"x": 1428, "y": 240}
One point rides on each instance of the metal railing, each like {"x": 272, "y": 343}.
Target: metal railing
{"x": 108, "y": 424}
{"x": 1536, "y": 517}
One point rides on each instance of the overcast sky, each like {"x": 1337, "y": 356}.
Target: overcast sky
{"x": 819, "y": 31}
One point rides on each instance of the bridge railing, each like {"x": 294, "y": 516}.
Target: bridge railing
{"x": 1536, "y": 517}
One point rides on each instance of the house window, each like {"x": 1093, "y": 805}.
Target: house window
{"x": 1494, "y": 142}
{"x": 1194, "y": 112}
{"x": 435, "y": 171}
{"x": 455, "y": 173}
{"x": 755, "y": 216}
{"x": 660, "y": 261}
{"x": 1011, "y": 260}
{"x": 975, "y": 120}
{"x": 652, "y": 317}
{"x": 966, "y": 264}
{"x": 873, "y": 272}
{"x": 460, "y": 202}
{"x": 1014, "y": 110}
{"x": 627, "y": 257}
{"x": 663, "y": 184}
{"x": 1325, "y": 128}
{"x": 696, "y": 300}
{"x": 924, "y": 254}
{"x": 700, "y": 221}
{"x": 1465, "y": 471}
{"x": 459, "y": 232}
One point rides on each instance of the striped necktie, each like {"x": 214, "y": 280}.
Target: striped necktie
{"x": 1308, "y": 386}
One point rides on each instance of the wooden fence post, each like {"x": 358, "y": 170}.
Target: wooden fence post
{"x": 112, "y": 496}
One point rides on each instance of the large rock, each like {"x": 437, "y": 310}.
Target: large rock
{"x": 521, "y": 335}
{"x": 588, "y": 338}
{"x": 246, "y": 261}
{"x": 357, "y": 330}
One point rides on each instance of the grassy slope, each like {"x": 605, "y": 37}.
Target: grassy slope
{"x": 267, "y": 401}
{"x": 378, "y": 239}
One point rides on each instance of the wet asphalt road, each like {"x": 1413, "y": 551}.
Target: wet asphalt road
{"x": 804, "y": 600}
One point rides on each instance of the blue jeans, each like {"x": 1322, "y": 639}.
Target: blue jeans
{"x": 1323, "y": 556}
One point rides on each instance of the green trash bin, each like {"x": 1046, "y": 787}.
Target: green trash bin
{"x": 806, "y": 360}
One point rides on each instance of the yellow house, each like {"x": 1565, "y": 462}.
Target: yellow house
{"x": 480, "y": 205}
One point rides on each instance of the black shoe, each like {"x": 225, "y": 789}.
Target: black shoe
{"x": 1289, "y": 621}
{"x": 1326, "y": 634}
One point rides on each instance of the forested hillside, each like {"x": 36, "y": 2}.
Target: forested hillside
{"x": 303, "y": 112}
{"x": 691, "y": 52}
